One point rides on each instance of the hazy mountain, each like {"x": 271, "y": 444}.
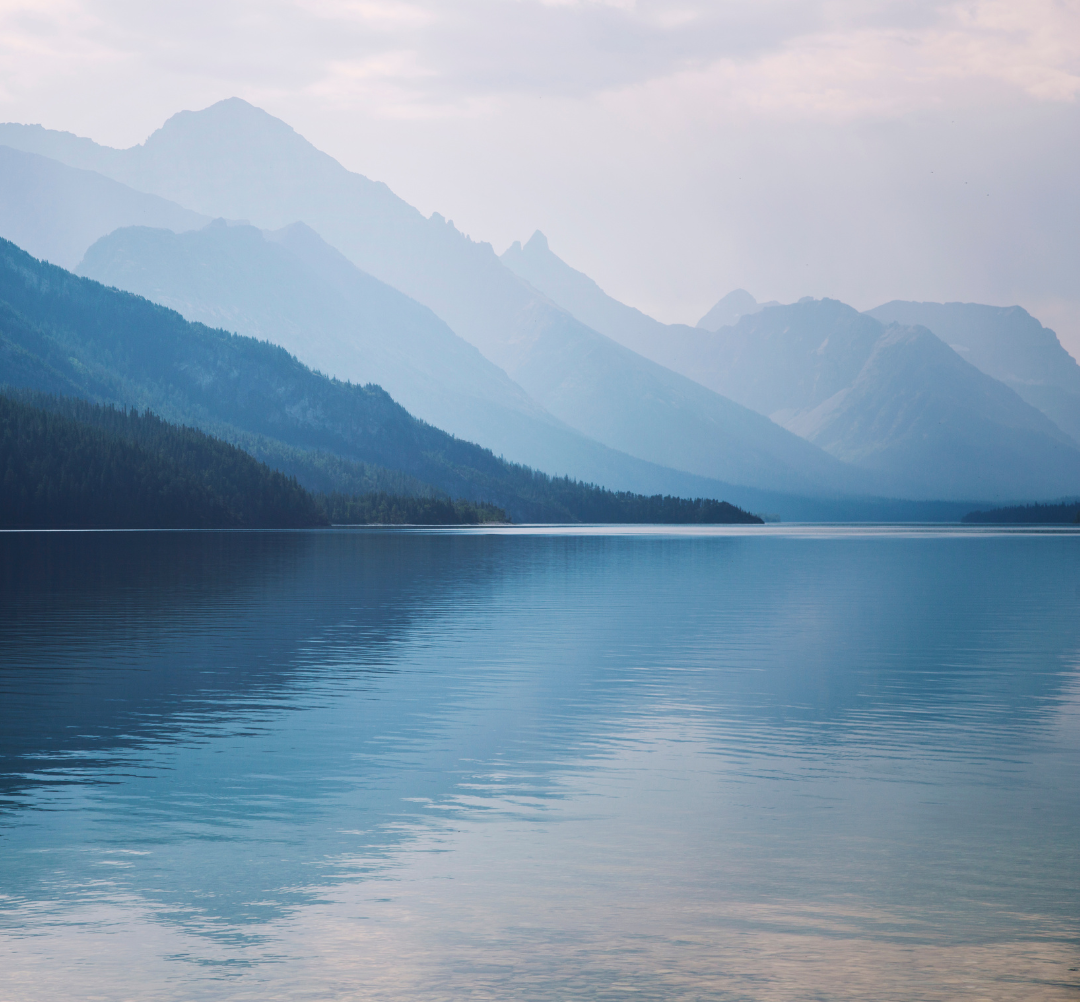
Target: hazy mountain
{"x": 674, "y": 346}
{"x": 235, "y": 161}
{"x": 804, "y": 365}
{"x": 920, "y": 413}
{"x": 800, "y": 364}
{"x": 895, "y": 400}
{"x": 580, "y": 296}
{"x": 1005, "y": 342}
{"x": 291, "y": 288}
{"x": 635, "y": 405}
{"x": 788, "y": 359}
{"x": 55, "y": 212}
{"x": 73, "y": 336}
{"x": 728, "y": 311}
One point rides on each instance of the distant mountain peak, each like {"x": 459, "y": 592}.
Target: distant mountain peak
{"x": 727, "y": 311}
{"x": 537, "y": 242}
{"x": 229, "y": 123}
{"x": 231, "y": 109}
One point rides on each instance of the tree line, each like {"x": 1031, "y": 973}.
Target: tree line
{"x": 1028, "y": 514}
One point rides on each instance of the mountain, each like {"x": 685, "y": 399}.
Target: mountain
{"x": 1005, "y": 342}
{"x": 235, "y": 161}
{"x": 788, "y": 359}
{"x": 791, "y": 364}
{"x": 830, "y": 374}
{"x": 68, "y": 335}
{"x": 291, "y": 288}
{"x": 896, "y": 400}
{"x": 580, "y": 296}
{"x": 639, "y": 407}
{"x": 55, "y": 212}
{"x": 62, "y": 209}
{"x": 674, "y": 346}
{"x": 72, "y": 464}
{"x": 921, "y": 414}
{"x": 730, "y": 309}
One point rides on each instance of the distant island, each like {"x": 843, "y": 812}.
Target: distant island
{"x": 1064, "y": 512}
{"x": 70, "y": 463}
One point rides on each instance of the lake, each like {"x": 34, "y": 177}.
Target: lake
{"x": 778, "y": 763}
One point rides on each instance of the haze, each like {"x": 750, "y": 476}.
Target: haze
{"x": 862, "y": 151}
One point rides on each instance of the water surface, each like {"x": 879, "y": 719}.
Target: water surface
{"x": 753, "y": 763}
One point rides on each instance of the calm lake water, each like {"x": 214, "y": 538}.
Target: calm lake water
{"x": 759, "y": 763}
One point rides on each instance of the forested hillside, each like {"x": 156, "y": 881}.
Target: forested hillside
{"x": 1027, "y": 514}
{"x": 72, "y": 464}
{"x": 394, "y": 509}
{"x": 71, "y": 335}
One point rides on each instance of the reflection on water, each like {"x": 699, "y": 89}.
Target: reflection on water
{"x": 779, "y": 764}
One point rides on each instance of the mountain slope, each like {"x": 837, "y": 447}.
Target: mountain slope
{"x": 685, "y": 350}
{"x": 895, "y": 400}
{"x": 637, "y": 406}
{"x": 235, "y": 161}
{"x": 730, "y": 309}
{"x": 293, "y": 289}
{"x": 55, "y": 212}
{"x": 822, "y": 370}
{"x": 71, "y": 464}
{"x": 674, "y": 346}
{"x": 787, "y": 359}
{"x": 789, "y": 362}
{"x": 72, "y": 335}
{"x": 580, "y": 296}
{"x": 921, "y": 414}
{"x": 1007, "y": 343}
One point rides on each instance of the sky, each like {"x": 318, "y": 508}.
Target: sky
{"x": 673, "y": 151}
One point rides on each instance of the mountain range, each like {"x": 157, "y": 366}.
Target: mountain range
{"x": 73, "y": 337}
{"x": 996, "y": 407}
{"x": 55, "y": 212}
{"x": 291, "y": 288}
{"x": 1005, "y": 342}
{"x": 529, "y": 356}
{"x": 236, "y": 162}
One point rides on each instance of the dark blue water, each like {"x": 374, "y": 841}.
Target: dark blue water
{"x": 755, "y": 764}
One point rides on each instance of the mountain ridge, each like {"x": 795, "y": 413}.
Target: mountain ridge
{"x": 808, "y": 376}
{"x": 69, "y": 335}
{"x": 293, "y": 289}
{"x": 235, "y": 161}
{"x": 55, "y": 211}
{"x": 1007, "y": 343}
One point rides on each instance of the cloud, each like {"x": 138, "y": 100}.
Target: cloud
{"x": 415, "y": 57}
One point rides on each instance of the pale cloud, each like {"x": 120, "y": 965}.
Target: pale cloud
{"x": 887, "y": 71}
{"x": 847, "y": 57}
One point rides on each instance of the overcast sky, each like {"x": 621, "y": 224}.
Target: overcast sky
{"x": 672, "y": 150}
